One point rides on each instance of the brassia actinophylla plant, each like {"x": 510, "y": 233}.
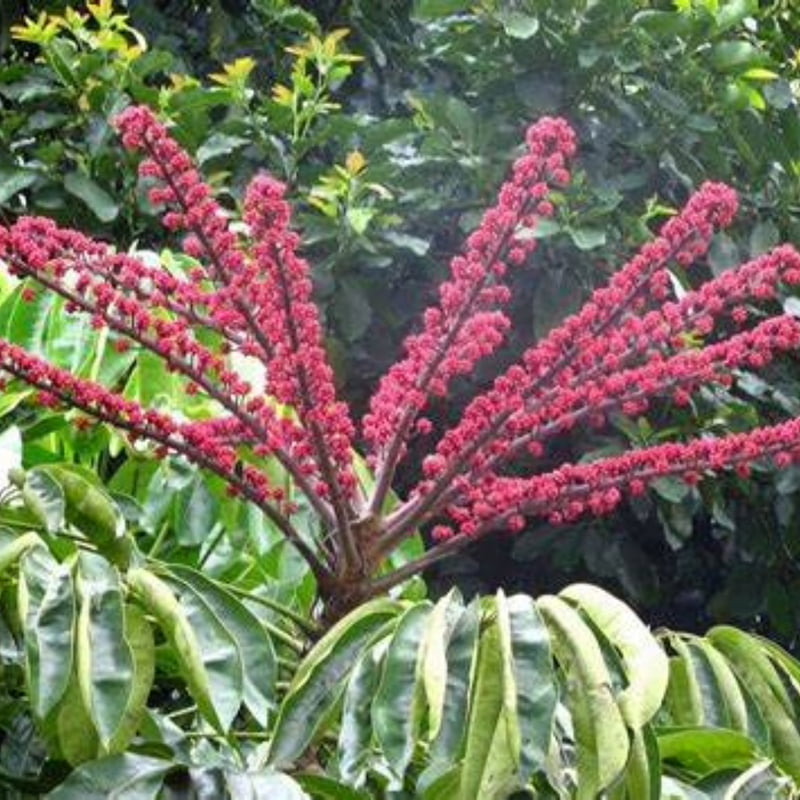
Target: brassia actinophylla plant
{"x": 248, "y": 297}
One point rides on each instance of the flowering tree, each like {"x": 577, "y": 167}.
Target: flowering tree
{"x": 250, "y": 296}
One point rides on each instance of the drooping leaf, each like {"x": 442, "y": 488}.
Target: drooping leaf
{"x": 318, "y": 682}
{"x": 129, "y": 776}
{"x": 601, "y": 737}
{"x": 139, "y": 636}
{"x": 158, "y": 599}
{"x": 259, "y": 663}
{"x": 491, "y": 755}
{"x": 47, "y": 603}
{"x": 222, "y": 658}
{"x": 96, "y": 199}
{"x": 535, "y": 682}
{"x": 396, "y": 705}
{"x": 104, "y": 661}
{"x": 355, "y": 731}
{"x": 645, "y": 663}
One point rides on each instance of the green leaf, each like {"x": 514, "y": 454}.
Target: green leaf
{"x": 15, "y": 180}
{"x": 219, "y": 144}
{"x": 395, "y": 708}
{"x": 320, "y": 787}
{"x": 195, "y": 513}
{"x": 517, "y": 24}
{"x": 71, "y": 727}
{"x": 268, "y": 785}
{"x": 24, "y": 322}
{"x": 723, "y": 253}
{"x": 256, "y": 651}
{"x": 222, "y": 659}
{"x": 732, "y": 12}
{"x": 159, "y": 600}
{"x": 359, "y": 218}
{"x": 535, "y": 681}
{"x": 461, "y": 652}
{"x": 600, "y": 735}
{"x": 105, "y": 665}
{"x": 646, "y": 665}
{"x": 642, "y": 779}
{"x": 47, "y": 604}
{"x": 44, "y": 497}
{"x": 703, "y": 751}
{"x": 97, "y": 199}
{"x": 139, "y": 636}
{"x": 662, "y": 23}
{"x": 491, "y": 755}
{"x": 736, "y": 56}
{"x": 352, "y": 310}
{"x": 355, "y": 731}
{"x": 763, "y": 238}
{"x": 587, "y": 238}
{"x": 89, "y": 507}
{"x": 15, "y": 549}
{"x": 443, "y": 618}
{"x": 319, "y": 679}
{"x": 756, "y": 672}
{"x": 122, "y": 777}
{"x": 432, "y": 9}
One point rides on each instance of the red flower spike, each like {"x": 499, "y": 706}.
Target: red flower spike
{"x": 627, "y": 346}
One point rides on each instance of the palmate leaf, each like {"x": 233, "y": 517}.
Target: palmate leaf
{"x": 734, "y": 684}
{"x": 471, "y": 686}
{"x": 468, "y": 694}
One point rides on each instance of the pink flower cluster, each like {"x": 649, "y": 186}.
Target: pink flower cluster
{"x": 264, "y": 294}
{"x": 467, "y": 323}
{"x": 629, "y": 346}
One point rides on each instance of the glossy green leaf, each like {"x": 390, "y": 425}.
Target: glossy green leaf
{"x": 16, "y": 548}
{"x": 120, "y": 777}
{"x": 703, "y": 751}
{"x": 70, "y": 726}
{"x": 49, "y": 609}
{"x": 104, "y": 661}
{"x": 139, "y": 636}
{"x": 642, "y": 778}
{"x": 222, "y": 659}
{"x": 14, "y": 181}
{"x": 431, "y": 9}
{"x": 96, "y": 199}
{"x": 518, "y": 24}
{"x": 24, "y": 321}
{"x": 259, "y": 663}
{"x": 355, "y": 731}
{"x": 89, "y": 507}
{"x": 318, "y": 681}
{"x": 535, "y": 681}
{"x": 10, "y": 452}
{"x": 756, "y": 672}
{"x": 266, "y": 785}
{"x": 732, "y": 56}
{"x": 434, "y": 655}
{"x": 321, "y": 787}
{"x": 600, "y": 734}
{"x": 645, "y": 663}
{"x": 396, "y": 705}
{"x": 491, "y": 757}
{"x": 158, "y": 599}
{"x": 44, "y": 497}
{"x": 461, "y": 652}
